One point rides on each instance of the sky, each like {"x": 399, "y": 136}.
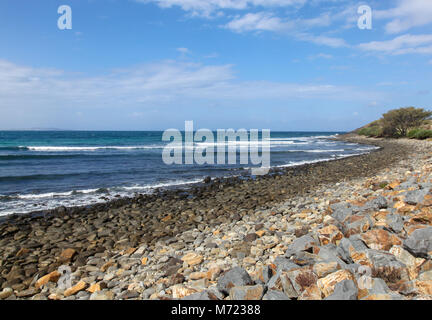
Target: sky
{"x": 287, "y": 65}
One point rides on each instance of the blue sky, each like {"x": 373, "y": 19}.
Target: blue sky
{"x": 152, "y": 64}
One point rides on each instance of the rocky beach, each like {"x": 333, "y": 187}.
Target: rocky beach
{"x": 353, "y": 228}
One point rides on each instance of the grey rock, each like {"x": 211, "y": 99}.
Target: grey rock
{"x": 375, "y": 204}
{"x": 416, "y": 196}
{"x": 341, "y": 211}
{"x": 345, "y": 244}
{"x": 233, "y": 278}
{"x": 344, "y": 290}
{"x": 284, "y": 264}
{"x": 420, "y": 242}
{"x": 395, "y": 222}
{"x": 330, "y": 253}
{"x": 301, "y": 244}
{"x": 275, "y": 295}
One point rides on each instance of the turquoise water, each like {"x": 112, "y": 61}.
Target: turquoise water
{"x": 45, "y": 169}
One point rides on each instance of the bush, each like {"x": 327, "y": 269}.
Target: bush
{"x": 371, "y": 132}
{"x": 398, "y": 122}
{"x": 419, "y": 134}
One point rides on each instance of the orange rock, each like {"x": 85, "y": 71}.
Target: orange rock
{"x": 144, "y": 261}
{"x": 311, "y": 293}
{"x": 94, "y": 288}
{"x": 107, "y": 265}
{"x": 328, "y": 283}
{"x": 394, "y": 184}
{"x": 167, "y": 218}
{"x": 260, "y": 233}
{"x": 197, "y": 275}
{"x": 67, "y": 255}
{"x": 130, "y": 251}
{"x": 50, "y": 277}
{"x": 424, "y": 287}
{"x": 329, "y": 234}
{"x": 80, "y": 286}
{"x": 192, "y": 259}
{"x": 379, "y": 239}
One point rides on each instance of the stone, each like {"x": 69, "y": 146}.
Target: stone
{"x": 356, "y": 224}
{"x": 379, "y": 239}
{"x": 67, "y": 255}
{"x": 247, "y": 292}
{"x": 323, "y": 269}
{"x": 102, "y": 295}
{"x": 329, "y": 234}
{"x": 301, "y": 244}
{"x": 80, "y": 286}
{"x": 395, "y": 222}
{"x": 203, "y": 295}
{"x": 327, "y": 284}
{"x": 341, "y": 211}
{"x": 234, "y": 278}
{"x": 420, "y": 242}
{"x": 51, "y": 277}
{"x": 192, "y": 259}
{"x": 250, "y": 237}
{"x": 284, "y": 264}
{"x": 406, "y": 258}
{"x": 6, "y": 293}
{"x": 27, "y": 293}
{"x": 180, "y": 291}
{"x": 275, "y": 295}
{"x": 344, "y": 290}
{"x": 415, "y": 197}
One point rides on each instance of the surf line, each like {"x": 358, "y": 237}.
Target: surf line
{"x": 198, "y": 147}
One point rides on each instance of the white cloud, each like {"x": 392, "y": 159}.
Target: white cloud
{"x": 322, "y": 40}
{"x": 207, "y": 7}
{"x": 261, "y": 21}
{"x": 401, "y": 45}
{"x": 406, "y": 15}
{"x": 159, "y": 84}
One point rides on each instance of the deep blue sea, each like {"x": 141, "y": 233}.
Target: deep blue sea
{"x": 45, "y": 169}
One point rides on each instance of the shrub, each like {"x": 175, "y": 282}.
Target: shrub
{"x": 419, "y": 134}
{"x": 398, "y": 122}
{"x": 371, "y": 132}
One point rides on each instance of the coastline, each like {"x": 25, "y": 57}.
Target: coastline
{"x": 31, "y": 245}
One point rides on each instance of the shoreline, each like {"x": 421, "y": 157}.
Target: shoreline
{"x": 31, "y": 247}
{"x": 174, "y": 190}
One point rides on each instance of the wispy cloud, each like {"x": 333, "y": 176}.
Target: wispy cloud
{"x": 406, "y": 15}
{"x": 401, "y": 45}
{"x": 152, "y": 84}
{"x": 206, "y": 8}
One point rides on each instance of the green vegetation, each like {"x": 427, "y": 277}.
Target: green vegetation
{"x": 408, "y": 122}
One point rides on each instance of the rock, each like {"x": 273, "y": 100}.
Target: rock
{"x": 328, "y": 283}
{"x": 67, "y": 255}
{"x": 416, "y": 196}
{"x": 284, "y": 264}
{"x": 233, "y": 278}
{"x": 180, "y": 291}
{"x": 203, "y": 295}
{"x": 376, "y": 204}
{"x": 420, "y": 242}
{"x": 6, "y": 293}
{"x": 406, "y": 258}
{"x": 329, "y": 234}
{"x": 250, "y": 237}
{"x": 75, "y": 289}
{"x": 395, "y": 222}
{"x": 301, "y": 244}
{"x": 356, "y": 224}
{"x": 379, "y": 239}
{"x": 247, "y": 292}
{"x": 344, "y": 290}
{"x": 27, "y": 293}
{"x": 51, "y": 277}
{"x": 341, "y": 211}
{"x": 323, "y": 269}
{"x": 192, "y": 259}
{"x": 275, "y": 295}
{"x": 207, "y": 180}
{"x": 102, "y": 295}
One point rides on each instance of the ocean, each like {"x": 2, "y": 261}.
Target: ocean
{"x": 41, "y": 170}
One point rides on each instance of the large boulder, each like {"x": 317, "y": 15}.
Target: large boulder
{"x": 344, "y": 290}
{"x": 420, "y": 242}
